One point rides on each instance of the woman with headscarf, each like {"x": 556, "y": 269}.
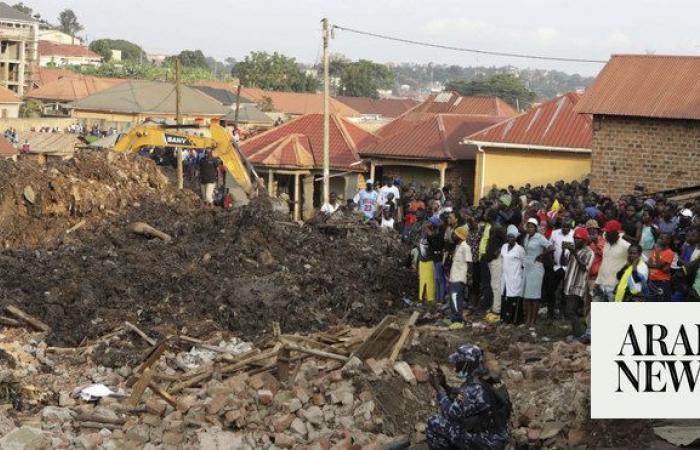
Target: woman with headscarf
{"x": 512, "y": 282}
{"x": 536, "y": 245}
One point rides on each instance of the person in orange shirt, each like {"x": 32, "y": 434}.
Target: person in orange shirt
{"x": 660, "y": 260}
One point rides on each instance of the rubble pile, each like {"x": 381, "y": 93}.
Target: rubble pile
{"x": 40, "y": 203}
{"x": 221, "y": 270}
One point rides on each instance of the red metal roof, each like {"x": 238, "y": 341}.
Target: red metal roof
{"x": 551, "y": 124}
{"x": 298, "y": 103}
{"x": 661, "y": 86}
{"x": 48, "y": 48}
{"x": 6, "y": 149}
{"x": 71, "y": 89}
{"x": 8, "y": 96}
{"x": 299, "y": 144}
{"x": 386, "y": 107}
{"x": 430, "y": 136}
{"x": 453, "y": 103}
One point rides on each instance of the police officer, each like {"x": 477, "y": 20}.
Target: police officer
{"x": 473, "y": 416}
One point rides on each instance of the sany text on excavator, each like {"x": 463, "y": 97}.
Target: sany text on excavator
{"x": 155, "y": 135}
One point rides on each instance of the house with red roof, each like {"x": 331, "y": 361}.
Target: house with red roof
{"x": 550, "y": 142}
{"x": 424, "y": 144}
{"x": 66, "y": 54}
{"x": 290, "y": 156}
{"x": 9, "y": 103}
{"x": 646, "y": 124}
{"x": 7, "y": 150}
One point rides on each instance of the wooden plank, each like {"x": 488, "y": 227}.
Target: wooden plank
{"x": 139, "y": 388}
{"x": 10, "y": 322}
{"x": 243, "y": 363}
{"x": 404, "y": 336}
{"x": 204, "y": 376}
{"x": 319, "y": 353}
{"x": 31, "y": 320}
{"x": 92, "y": 417}
{"x": 283, "y": 365}
{"x": 151, "y": 358}
{"x": 362, "y": 351}
{"x": 137, "y": 330}
{"x": 162, "y": 394}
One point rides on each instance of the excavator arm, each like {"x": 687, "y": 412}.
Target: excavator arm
{"x": 141, "y": 136}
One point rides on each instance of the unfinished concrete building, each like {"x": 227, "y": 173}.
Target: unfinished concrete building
{"x": 18, "y": 48}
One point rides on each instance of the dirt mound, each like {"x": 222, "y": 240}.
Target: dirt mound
{"x": 39, "y": 203}
{"x": 236, "y": 270}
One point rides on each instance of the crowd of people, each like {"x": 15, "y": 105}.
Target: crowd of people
{"x": 558, "y": 246}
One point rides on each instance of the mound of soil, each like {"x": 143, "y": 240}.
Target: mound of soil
{"x": 39, "y": 203}
{"x": 239, "y": 270}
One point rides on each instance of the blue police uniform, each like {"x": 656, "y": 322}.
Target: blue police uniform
{"x": 448, "y": 430}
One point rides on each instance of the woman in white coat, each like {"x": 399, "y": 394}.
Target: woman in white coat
{"x": 513, "y": 280}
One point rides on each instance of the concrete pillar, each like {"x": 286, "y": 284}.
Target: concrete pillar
{"x": 442, "y": 175}
{"x": 20, "y": 68}
{"x": 270, "y": 182}
{"x": 371, "y": 171}
{"x": 297, "y": 188}
{"x": 308, "y": 205}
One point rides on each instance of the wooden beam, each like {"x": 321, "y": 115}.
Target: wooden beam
{"x": 404, "y": 336}
{"x": 139, "y": 388}
{"x": 137, "y": 330}
{"x": 31, "y": 320}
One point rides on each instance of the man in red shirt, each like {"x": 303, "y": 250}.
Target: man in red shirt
{"x": 660, "y": 260}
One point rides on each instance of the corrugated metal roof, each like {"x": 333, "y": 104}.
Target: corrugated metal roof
{"x": 307, "y": 132}
{"x": 386, "y": 107}
{"x": 8, "y": 96}
{"x": 48, "y": 48}
{"x": 298, "y": 103}
{"x": 71, "y": 89}
{"x": 551, "y": 124}
{"x": 430, "y": 136}
{"x": 140, "y": 96}
{"x": 224, "y": 96}
{"x": 6, "y": 149}
{"x": 249, "y": 114}
{"x": 453, "y": 103}
{"x": 661, "y": 86}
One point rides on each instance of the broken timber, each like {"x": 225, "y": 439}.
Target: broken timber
{"x": 31, "y": 320}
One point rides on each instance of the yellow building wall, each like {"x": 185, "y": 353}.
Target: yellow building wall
{"x": 519, "y": 167}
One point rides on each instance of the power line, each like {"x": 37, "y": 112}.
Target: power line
{"x": 468, "y": 50}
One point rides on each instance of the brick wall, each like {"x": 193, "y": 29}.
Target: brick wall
{"x": 657, "y": 154}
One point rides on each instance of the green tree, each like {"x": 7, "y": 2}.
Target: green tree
{"x": 189, "y": 58}
{"x": 275, "y": 72}
{"x": 130, "y": 51}
{"x": 505, "y": 86}
{"x": 21, "y": 7}
{"x": 69, "y": 22}
{"x": 364, "y": 78}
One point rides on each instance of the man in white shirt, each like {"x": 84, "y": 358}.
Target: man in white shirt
{"x": 332, "y": 205}
{"x": 458, "y": 276}
{"x": 614, "y": 259}
{"x": 561, "y": 260}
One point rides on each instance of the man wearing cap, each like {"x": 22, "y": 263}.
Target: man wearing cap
{"x": 366, "y": 201}
{"x": 472, "y": 416}
{"x": 576, "y": 279}
{"x": 614, "y": 259}
{"x": 458, "y": 276}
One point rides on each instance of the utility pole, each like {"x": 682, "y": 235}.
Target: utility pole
{"x": 238, "y": 102}
{"x": 178, "y": 119}
{"x": 326, "y": 111}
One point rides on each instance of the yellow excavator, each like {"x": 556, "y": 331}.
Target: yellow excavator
{"x": 219, "y": 141}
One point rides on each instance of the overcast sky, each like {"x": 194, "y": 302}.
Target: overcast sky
{"x": 591, "y": 29}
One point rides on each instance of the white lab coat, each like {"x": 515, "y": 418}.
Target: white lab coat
{"x": 513, "y": 278}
